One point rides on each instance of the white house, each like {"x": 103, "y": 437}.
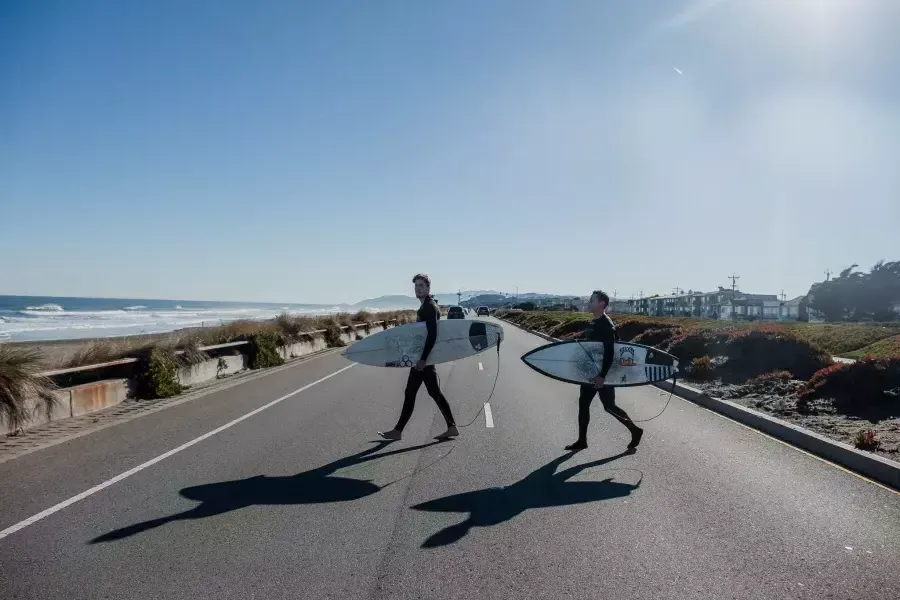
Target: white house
{"x": 790, "y": 310}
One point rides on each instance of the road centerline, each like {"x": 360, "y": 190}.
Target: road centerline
{"x": 101, "y": 486}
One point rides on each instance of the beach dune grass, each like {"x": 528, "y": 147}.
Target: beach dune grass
{"x": 291, "y": 328}
{"x": 21, "y": 381}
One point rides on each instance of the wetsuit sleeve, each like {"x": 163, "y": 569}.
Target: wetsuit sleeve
{"x": 431, "y": 315}
{"x": 605, "y": 333}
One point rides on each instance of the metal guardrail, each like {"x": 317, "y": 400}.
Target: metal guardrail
{"x": 126, "y": 361}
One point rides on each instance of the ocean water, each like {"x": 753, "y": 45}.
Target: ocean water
{"x": 32, "y": 318}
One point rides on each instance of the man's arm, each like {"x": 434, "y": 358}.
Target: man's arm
{"x": 431, "y": 317}
{"x": 604, "y": 333}
{"x": 608, "y": 350}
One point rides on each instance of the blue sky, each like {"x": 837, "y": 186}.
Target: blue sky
{"x": 324, "y": 151}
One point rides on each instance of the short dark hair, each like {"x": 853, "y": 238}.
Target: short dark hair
{"x": 423, "y": 277}
{"x": 601, "y": 296}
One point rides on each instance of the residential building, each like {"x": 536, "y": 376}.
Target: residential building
{"x": 791, "y": 310}
{"x": 621, "y": 306}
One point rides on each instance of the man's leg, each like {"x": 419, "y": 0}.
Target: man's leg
{"x": 608, "y": 398}
{"x": 413, "y": 382}
{"x": 585, "y": 397}
{"x": 434, "y": 390}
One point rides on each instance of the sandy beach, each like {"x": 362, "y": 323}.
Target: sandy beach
{"x": 57, "y": 353}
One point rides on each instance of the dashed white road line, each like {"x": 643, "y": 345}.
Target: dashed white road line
{"x": 488, "y": 416}
{"x": 480, "y": 367}
{"x": 58, "y": 507}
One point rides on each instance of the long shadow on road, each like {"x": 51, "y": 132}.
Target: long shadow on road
{"x": 540, "y": 489}
{"x": 309, "y": 487}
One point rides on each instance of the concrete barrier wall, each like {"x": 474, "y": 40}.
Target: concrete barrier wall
{"x": 94, "y": 396}
{"x": 212, "y": 369}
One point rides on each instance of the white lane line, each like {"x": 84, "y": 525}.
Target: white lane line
{"x": 480, "y": 367}
{"x": 488, "y": 416}
{"x": 151, "y": 462}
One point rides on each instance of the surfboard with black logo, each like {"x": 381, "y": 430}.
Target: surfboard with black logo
{"x": 578, "y": 362}
{"x": 402, "y": 346}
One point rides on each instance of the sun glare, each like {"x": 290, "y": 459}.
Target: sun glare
{"x": 822, "y": 21}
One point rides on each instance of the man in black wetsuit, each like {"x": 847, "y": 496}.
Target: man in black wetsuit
{"x": 429, "y": 313}
{"x": 602, "y": 330}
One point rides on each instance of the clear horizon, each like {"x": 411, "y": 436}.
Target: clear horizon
{"x": 323, "y": 153}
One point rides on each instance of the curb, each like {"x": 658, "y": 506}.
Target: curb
{"x": 870, "y": 465}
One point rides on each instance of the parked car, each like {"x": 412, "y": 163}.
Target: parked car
{"x": 484, "y": 311}
{"x": 456, "y": 312}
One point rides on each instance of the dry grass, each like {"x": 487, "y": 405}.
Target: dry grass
{"x": 191, "y": 353}
{"x": 21, "y": 380}
{"x": 102, "y": 351}
{"x": 290, "y": 327}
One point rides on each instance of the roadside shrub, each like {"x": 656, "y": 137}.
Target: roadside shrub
{"x": 701, "y": 369}
{"x": 758, "y": 351}
{"x": 658, "y": 336}
{"x": 866, "y": 388}
{"x": 866, "y": 377}
{"x": 191, "y": 353}
{"x": 571, "y": 329}
{"x": 631, "y": 328}
{"x": 294, "y": 327}
{"x": 221, "y": 367}
{"x": 866, "y": 439}
{"x": 158, "y": 374}
{"x": 21, "y": 380}
{"x": 363, "y": 316}
{"x": 332, "y": 334}
{"x": 264, "y": 350}
{"x": 695, "y": 344}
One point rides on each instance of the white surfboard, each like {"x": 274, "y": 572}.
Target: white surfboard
{"x": 578, "y": 362}
{"x": 402, "y": 346}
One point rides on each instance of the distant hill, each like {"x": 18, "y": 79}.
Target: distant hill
{"x": 402, "y": 301}
{"x": 470, "y": 298}
{"x": 391, "y": 302}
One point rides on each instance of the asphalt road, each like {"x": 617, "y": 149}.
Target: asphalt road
{"x": 297, "y": 501}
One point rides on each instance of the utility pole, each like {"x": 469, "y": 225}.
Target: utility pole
{"x": 782, "y": 296}
{"x": 827, "y": 274}
{"x": 733, "y": 279}
{"x": 459, "y": 297}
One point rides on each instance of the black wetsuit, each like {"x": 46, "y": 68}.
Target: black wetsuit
{"x": 602, "y": 330}
{"x": 429, "y": 313}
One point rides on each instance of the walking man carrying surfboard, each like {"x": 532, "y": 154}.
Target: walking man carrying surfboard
{"x": 602, "y": 330}
{"x": 422, "y": 373}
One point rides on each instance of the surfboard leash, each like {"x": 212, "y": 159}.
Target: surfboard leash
{"x": 491, "y": 395}
{"x": 671, "y": 392}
